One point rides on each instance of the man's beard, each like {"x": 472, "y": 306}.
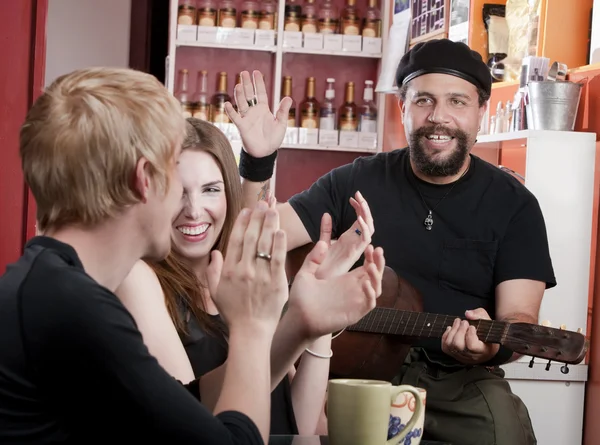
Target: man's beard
{"x": 451, "y": 164}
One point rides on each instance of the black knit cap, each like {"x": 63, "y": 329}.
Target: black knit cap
{"x": 444, "y": 56}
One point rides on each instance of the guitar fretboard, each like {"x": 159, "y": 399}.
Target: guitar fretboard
{"x": 424, "y": 325}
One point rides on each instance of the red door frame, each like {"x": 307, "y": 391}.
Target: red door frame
{"x": 23, "y": 49}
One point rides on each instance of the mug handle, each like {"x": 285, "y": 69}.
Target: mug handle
{"x": 413, "y": 419}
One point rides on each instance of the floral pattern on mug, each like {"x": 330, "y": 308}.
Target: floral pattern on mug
{"x": 396, "y": 426}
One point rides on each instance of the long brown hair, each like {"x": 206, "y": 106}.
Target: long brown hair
{"x": 183, "y": 291}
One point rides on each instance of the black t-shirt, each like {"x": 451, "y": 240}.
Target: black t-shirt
{"x": 207, "y": 351}
{"x": 487, "y": 228}
{"x": 74, "y": 367}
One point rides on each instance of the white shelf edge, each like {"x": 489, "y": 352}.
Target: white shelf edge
{"x": 329, "y": 148}
{"x": 490, "y": 139}
{"x": 521, "y": 371}
{"x": 266, "y": 49}
{"x": 325, "y": 52}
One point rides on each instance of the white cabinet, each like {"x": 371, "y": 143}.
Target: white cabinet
{"x": 559, "y": 171}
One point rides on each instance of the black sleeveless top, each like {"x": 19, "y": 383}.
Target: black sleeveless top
{"x": 207, "y": 351}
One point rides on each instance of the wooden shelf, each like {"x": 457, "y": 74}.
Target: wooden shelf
{"x": 324, "y": 52}
{"x": 268, "y": 49}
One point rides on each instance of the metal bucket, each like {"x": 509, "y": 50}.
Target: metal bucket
{"x": 553, "y": 105}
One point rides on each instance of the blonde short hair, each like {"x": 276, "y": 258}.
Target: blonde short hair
{"x": 83, "y": 137}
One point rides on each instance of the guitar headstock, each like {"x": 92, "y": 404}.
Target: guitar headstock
{"x": 554, "y": 344}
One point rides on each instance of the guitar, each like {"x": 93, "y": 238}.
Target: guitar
{"x": 376, "y": 346}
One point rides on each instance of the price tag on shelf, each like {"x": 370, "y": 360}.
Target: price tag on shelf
{"x": 207, "y": 34}
{"x": 313, "y": 40}
{"x": 187, "y": 33}
{"x": 328, "y": 138}
{"x": 367, "y": 140}
{"x": 244, "y": 36}
{"x": 292, "y": 39}
{"x": 264, "y": 37}
{"x": 371, "y": 45}
{"x": 332, "y": 42}
{"x": 352, "y": 43}
{"x": 226, "y": 35}
{"x": 291, "y": 136}
{"x": 348, "y": 138}
{"x": 308, "y": 136}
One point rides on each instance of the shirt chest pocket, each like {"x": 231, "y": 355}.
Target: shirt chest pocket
{"x": 468, "y": 266}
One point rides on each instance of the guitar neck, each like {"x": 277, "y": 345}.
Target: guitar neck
{"x": 424, "y": 325}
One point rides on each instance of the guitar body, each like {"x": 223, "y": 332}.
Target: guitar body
{"x": 364, "y": 355}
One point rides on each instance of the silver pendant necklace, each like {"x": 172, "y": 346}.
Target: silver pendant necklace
{"x": 428, "y": 222}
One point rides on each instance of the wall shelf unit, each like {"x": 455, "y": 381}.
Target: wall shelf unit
{"x": 286, "y": 53}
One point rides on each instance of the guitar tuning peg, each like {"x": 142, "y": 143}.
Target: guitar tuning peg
{"x": 563, "y": 327}
{"x": 564, "y": 369}
{"x": 548, "y": 365}
{"x": 546, "y": 323}
{"x": 579, "y": 330}
{"x": 531, "y": 362}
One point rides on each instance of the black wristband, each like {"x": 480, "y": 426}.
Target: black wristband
{"x": 502, "y": 356}
{"x": 257, "y": 169}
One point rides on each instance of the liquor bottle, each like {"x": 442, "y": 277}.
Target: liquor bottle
{"x": 286, "y": 91}
{"x": 372, "y": 21}
{"x": 367, "y": 112}
{"x": 309, "y": 17}
{"x": 207, "y": 13}
{"x": 266, "y": 20}
{"x": 293, "y": 16}
{"x": 183, "y": 95}
{"x": 348, "y": 111}
{"x": 227, "y": 14}
{"x": 219, "y": 115}
{"x": 309, "y": 107}
{"x": 350, "y": 25}
{"x": 328, "y": 18}
{"x": 186, "y": 13}
{"x": 328, "y": 119}
{"x": 250, "y": 13}
{"x": 200, "y": 98}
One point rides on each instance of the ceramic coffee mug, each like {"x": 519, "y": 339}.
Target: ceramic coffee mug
{"x": 403, "y": 409}
{"x": 358, "y": 411}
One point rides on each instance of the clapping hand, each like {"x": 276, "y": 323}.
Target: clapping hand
{"x": 249, "y": 286}
{"x": 262, "y": 132}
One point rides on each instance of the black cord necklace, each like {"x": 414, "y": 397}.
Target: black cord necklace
{"x": 428, "y": 222}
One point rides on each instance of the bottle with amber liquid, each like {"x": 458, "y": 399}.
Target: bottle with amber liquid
{"x": 293, "y": 16}
{"x": 201, "y": 99}
{"x": 348, "y": 111}
{"x": 310, "y": 21}
{"x": 350, "y": 24}
{"x": 227, "y": 14}
{"x": 268, "y": 12}
{"x": 183, "y": 95}
{"x": 328, "y": 18}
{"x": 207, "y": 13}
{"x": 186, "y": 13}
{"x": 286, "y": 91}
{"x": 219, "y": 115}
{"x": 309, "y": 107}
{"x": 372, "y": 21}
{"x": 250, "y": 13}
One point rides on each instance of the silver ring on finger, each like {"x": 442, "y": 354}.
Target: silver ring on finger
{"x": 263, "y": 255}
{"x": 252, "y": 102}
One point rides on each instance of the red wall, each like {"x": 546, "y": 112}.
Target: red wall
{"x": 22, "y": 30}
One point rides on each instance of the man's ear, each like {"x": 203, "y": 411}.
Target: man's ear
{"x": 141, "y": 180}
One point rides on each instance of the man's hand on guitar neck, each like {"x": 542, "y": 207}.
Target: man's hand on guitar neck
{"x": 461, "y": 342}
